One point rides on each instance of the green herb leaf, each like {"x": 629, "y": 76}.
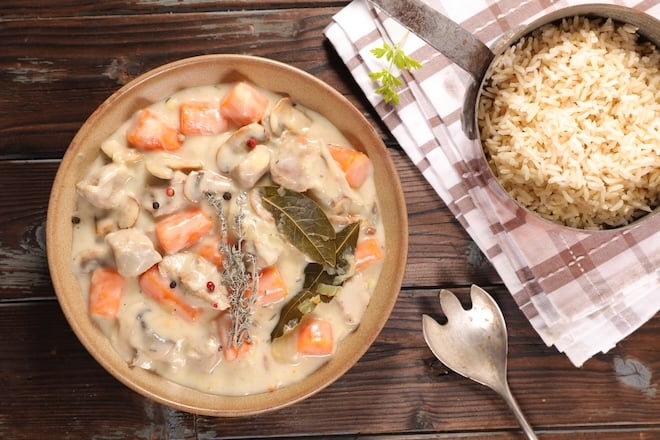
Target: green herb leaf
{"x": 387, "y": 82}
{"x": 316, "y": 275}
{"x": 291, "y": 312}
{"x": 379, "y": 52}
{"x": 303, "y": 222}
{"x": 346, "y": 241}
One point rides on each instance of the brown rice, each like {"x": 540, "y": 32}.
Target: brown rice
{"x": 569, "y": 123}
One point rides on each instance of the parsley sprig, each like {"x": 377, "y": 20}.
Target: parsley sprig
{"x": 387, "y": 81}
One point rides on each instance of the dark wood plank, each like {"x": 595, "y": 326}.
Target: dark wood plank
{"x": 401, "y": 379}
{"x": 25, "y": 188}
{"x": 64, "y": 8}
{"x": 600, "y": 434}
{"x": 55, "y": 72}
{"x": 60, "y": 60}
{"x": 52, "y": 385}
{"x": 52, "y": 388}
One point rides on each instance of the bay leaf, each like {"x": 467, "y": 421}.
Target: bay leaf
{"x": 315, "y": 274}
{"x": 303, "y": 222}
{"x": 346, "y": 241}
{"x": 290, "y": 313}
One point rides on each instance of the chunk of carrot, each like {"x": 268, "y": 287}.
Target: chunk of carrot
{"x": 355, "y": 164}
{"x": 209, "y": 248}
{"x": 244, "y": 104}
{"x": 106, "y": 290}
{"x": 230, "y": 351}
{"x": 201, "y": 117}
{"x": 272, "y": 287}
{"x": 159, "y": 288}
{"x": 182, "y": 229}
{"x": 367, "y": 252}
{"x": 149, "y": 132}
{"x": 315, "y": 337}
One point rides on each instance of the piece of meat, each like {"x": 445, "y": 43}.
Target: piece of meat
{"x": 134, "y": 252}
{"x": 161, "y": 200}
{"x": 104, "y": 188}
{"x": 194, "y": 274}
{"x": 252, "y": 168}
{"x": 297, "y": 164}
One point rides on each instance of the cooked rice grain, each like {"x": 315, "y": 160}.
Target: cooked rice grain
{"x": 569, "y": 123}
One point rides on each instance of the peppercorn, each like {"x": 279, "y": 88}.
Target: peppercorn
{"x": 210, "y": 286}
{"x": 169, "y": 191}
{"x": 172, "y": 284}
{"x": 227, "y": 196}
{"x": 251, "y": 142}
{"x": 75, "y": 219}
{"x": 155, "y": 205}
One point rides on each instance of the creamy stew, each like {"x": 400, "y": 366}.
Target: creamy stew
{"x": 201, "y": 200}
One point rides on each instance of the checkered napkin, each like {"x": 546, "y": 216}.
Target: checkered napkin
{"x": 582, "y": 292}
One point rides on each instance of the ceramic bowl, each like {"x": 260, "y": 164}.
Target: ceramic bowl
{"x": 154, "y": 86}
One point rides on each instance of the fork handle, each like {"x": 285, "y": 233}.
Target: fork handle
{"x": 527, "y": 429}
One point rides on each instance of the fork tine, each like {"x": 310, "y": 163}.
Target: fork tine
{"x": 479, "y": 296}
{"x": 449, "y": 303}
{"x": 434, "y": 333}
{"x": 481, "y": 299}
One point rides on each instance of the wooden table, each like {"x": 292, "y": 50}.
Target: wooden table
{"x": 61, "y": 59}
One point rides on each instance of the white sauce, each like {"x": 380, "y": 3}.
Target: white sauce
{"x": 147, "y": 334}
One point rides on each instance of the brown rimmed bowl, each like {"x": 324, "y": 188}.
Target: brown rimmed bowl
{"x": 156, "y": 85}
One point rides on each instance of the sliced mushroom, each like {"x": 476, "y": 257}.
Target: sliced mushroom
{"x": 238, "y": 139}
{"x": 194, "y": 274}
{"x": 235, "y": 148}
{"x": 166, "y": 199}
{"x": 105, "y": 225}
{"x": 140, "y": 336}
{"x": 104, "y": 188}
{"x": 255, "y": 165}
{"x": 128, "y": 213}
{"x": 125, "y": 216}
{"x": 120, "y": 153}
{"x": 164, "y": 165}
{"x": 92, "y": 258}
{"x": 157, "y": 346}
{"x": 200, "y": 182}
{"x": 286, "y": 116}
{"x": 134, "y": 252}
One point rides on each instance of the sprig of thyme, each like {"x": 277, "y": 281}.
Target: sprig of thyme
{"x": 238, "y": 270}
{"x": 387, "y": 81}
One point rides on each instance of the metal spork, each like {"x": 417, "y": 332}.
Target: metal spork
{"x": 474, "y": 344}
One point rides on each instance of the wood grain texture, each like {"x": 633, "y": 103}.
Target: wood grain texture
{"x": 56, "y": 72}
{"x": 60, "y": 60}
{"x": 51, "y": 384}
{"x": 52, "y": 388}
{"x": 63, "y": 8}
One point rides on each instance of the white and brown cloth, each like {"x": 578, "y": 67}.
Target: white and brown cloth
{"x": 583, "y": 292}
